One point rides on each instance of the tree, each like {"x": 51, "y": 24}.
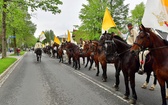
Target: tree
{"x": 46, "y": 5}
{"x": 137, "y": 13}
{"x": 19, "y": 25}
{"x": 49, "y": 36}
{"x": 92, "y": 14}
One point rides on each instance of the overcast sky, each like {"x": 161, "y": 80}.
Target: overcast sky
{"x": 68, "y": 17}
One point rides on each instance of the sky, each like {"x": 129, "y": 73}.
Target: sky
{"x": 68, "y": 17}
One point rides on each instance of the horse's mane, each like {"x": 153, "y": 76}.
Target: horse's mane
{"x": 119, "y": 38}
{"x": 164, "y": 40}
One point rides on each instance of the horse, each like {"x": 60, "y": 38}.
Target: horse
{"x": 60, "y": 53}
{"x": 87, "y": 51}
{"x": 75, "y": 50}
{"x": 99, "y": 54}
{"x": 38, "y": 52}
{"x": 128, "y": 63}
{"x": 54, "y": 49}
{"x": 158, "y": 49}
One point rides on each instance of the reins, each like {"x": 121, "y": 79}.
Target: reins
{"x": 158, "y": 48}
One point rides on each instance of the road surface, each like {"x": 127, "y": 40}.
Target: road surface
{"x": 52, "y": 83}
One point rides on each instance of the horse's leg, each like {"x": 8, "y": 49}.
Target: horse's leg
{"x": 78, "y": 63}
{"x": 163, "y": 90}
{"x": 154, "y": 82}
{"x": 97, "y": 65}
{"x": 69, "y": 60}
{"x": 132, "y": 83}
{"x": 91, "y": 63}
{"x": 167, "y": 90}
{"x": 83, "y": 60}
{"x": 127, "y": 91}
{"x": 144, "y": 86}
{"x": 88, "y": 59}
{"x": 117, "y": 74}
{"x": 104, "y": 68}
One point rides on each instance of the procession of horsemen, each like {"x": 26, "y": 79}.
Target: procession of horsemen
{"x": 110, "y": 48}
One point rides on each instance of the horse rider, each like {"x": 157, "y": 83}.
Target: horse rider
{"x": 130, "y": 39}
{"x": 142, "y": 57}
{"x": 38, "y": 46}
{"x": 82, "y": 43}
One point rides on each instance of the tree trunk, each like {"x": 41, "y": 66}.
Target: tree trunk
{"x": 4, "y": 29}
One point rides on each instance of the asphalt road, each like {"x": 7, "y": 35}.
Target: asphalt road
{"x": 52, "y": 83}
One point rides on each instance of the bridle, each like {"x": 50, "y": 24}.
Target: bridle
{"x": 142, "y": 48}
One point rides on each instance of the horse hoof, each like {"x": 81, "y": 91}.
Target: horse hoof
{"x": 94, "y": 68}
{"x": 152, "y": 88}
{"x": 132, "y": 101}
{"x": 125, "y": 97}
{"x": 166, "y": 97}
{"x": 115, "y": 87}
{"x": 140, "y": 72}
{"x": 104, "y": 80}
{"x": 143, "y": 87}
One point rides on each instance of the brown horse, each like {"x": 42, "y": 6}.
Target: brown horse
{"x": 75, "y": 50}
{"x": 159, "y": 50}
{"x": 87, "y": 51}
{"x": 100, "y": 55}
{"x": 60, "y": 52}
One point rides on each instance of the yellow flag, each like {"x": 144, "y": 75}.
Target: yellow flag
{"x": 107, "y": 20}
{"x": 56, "y": 40}
{"x": 69, "y": 36}
{"x": 165, "y": 3}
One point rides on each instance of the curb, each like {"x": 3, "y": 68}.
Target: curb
{"x": 10, "y": 67}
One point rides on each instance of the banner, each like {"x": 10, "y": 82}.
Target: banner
{"x": 69, "y": 36}
{"x": 56, "y": 40}
{"x": 42, "y": 36}
{"x": 107, "y": 21}
{"x": 156, "y": 15}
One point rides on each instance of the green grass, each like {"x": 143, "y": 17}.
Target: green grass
{"x": 5, "y": 63}
{"x": 21, "y": 53}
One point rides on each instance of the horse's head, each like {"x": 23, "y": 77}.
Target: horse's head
{"x": 142, "y": 40}
{"x": 109, "y": 43}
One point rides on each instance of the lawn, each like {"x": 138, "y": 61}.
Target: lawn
{"x": 5, "y": 63}
{"x": 21, "y": 53}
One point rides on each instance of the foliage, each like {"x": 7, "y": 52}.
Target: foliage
{"x": 137, "y": 13}
{"x": 16, "y": 20}
{"x": 49, "y": 36}
{"x": 92, "y": 14}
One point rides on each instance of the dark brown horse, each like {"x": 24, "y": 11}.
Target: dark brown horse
{"x": 128, "y": 63}
{"x": 75, "y": 51}
{"x": 159, "y": 50}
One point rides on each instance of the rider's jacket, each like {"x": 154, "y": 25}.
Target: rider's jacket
{"x": 38, "y": 45}
{"x": 131, "y": 36}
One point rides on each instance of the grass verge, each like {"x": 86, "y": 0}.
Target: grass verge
{"x": 21, "y": 53}
{"x": 5, "y": 63}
